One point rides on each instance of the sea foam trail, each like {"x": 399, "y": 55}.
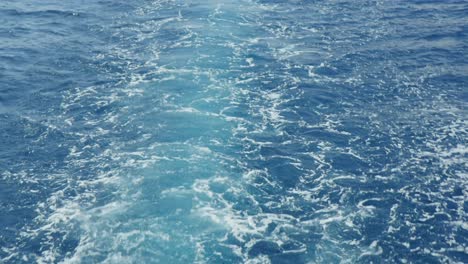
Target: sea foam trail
{"x": 252, "y": 132}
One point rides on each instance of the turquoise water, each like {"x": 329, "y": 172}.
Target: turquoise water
{"x": 233, "y": 131}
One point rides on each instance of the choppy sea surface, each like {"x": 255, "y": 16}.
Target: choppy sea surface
{"x": 234, "y": 131}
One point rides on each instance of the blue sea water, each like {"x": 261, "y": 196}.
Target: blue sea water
{"x": 248, "y": 131}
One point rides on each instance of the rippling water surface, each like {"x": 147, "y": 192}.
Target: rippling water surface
{"x": 242, "y": 131}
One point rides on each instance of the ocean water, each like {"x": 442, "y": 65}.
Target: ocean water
{"x": 234, "y": 131}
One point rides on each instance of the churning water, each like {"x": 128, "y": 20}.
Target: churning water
{"x": 234, "y": 131}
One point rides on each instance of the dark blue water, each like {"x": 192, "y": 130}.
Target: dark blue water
{"x": 243, "y": 131}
